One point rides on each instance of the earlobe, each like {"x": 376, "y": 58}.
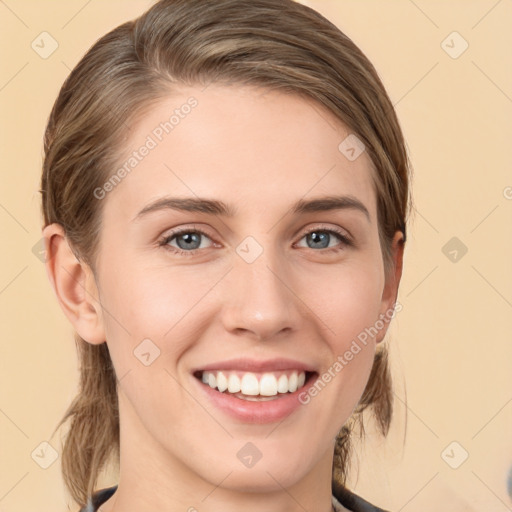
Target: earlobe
{"x": 74, "y": 285}
{"x": 390, "y": 291}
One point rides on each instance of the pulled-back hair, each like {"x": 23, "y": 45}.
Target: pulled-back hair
{"x": 277, "y": 44}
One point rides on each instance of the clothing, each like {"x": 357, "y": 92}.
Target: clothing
{"x": 340, "y": 495}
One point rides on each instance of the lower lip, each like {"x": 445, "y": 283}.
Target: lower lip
{"x": 257, "y": 411}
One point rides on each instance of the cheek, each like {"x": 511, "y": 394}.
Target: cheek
{"x": 158, "y": 304}
{"x": 150, "y": 299}
{"x": 347, "y": 302}
{"x": 349, "y": 305}
{"x": 145, "y": 315}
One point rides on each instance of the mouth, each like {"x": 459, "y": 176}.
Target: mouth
{"x": 256, "y": 386}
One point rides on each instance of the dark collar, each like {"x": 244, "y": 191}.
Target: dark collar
{"x": 347, "y": 498}
{"x": 352, "y": 501}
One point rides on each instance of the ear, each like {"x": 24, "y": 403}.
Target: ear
{"x": 390, "y": 291}
{"x": 74, "y": 285}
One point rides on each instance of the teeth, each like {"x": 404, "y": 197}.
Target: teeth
{"x": 233, "y": 384}
{"x": 249, "y": 385}
{"x": 252, "y": 384}
{"x": 222, "y": 382}
{"x": 282, "y": 384}
{"x": 292, "y": 382}
{"x": 268, "y": 385}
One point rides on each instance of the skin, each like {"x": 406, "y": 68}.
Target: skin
{"x": 259, "y": 152}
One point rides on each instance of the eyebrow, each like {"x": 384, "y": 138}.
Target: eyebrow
{"x": 215, "y": 207}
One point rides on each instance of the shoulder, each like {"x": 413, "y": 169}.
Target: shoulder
{"x": 351, "y": 501}
{"x": 98, "y": 498}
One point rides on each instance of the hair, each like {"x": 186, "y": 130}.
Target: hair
{"x": 279, "y": 45}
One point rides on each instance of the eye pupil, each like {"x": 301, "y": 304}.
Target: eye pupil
{"x": 319, "y": 238}
{"x": 190, "y": 238}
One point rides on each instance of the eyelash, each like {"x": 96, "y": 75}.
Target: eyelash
{"x": 165, "y": 240}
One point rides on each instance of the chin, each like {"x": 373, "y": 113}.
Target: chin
{"x": 263, "y": 477}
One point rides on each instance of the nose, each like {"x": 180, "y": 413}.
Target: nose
{"x": 260, "y": 299}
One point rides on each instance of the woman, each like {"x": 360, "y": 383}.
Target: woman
{"x": 225, "y": 191}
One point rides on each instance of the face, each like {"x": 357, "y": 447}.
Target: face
{"x": 275, "y": 274}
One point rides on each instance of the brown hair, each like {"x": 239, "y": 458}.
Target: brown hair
{"x": 280, "y": 45}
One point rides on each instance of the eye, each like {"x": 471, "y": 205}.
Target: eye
{"x": 321, "y": 237}
{"x": 188, "y": 241}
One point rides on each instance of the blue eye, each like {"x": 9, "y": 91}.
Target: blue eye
{"x": 322, "y": 237}
{"x": 188, "y": 241}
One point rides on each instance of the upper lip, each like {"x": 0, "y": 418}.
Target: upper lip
{"x": 253, "y": 365}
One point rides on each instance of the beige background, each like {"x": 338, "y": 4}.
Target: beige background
{"x": 451, "y": 345}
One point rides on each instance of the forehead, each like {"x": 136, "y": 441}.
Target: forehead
{"x": 259, "y": 150}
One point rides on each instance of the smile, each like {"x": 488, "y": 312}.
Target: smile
{"x": 248, "y": 402}
{"x": 254, "y": 384}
